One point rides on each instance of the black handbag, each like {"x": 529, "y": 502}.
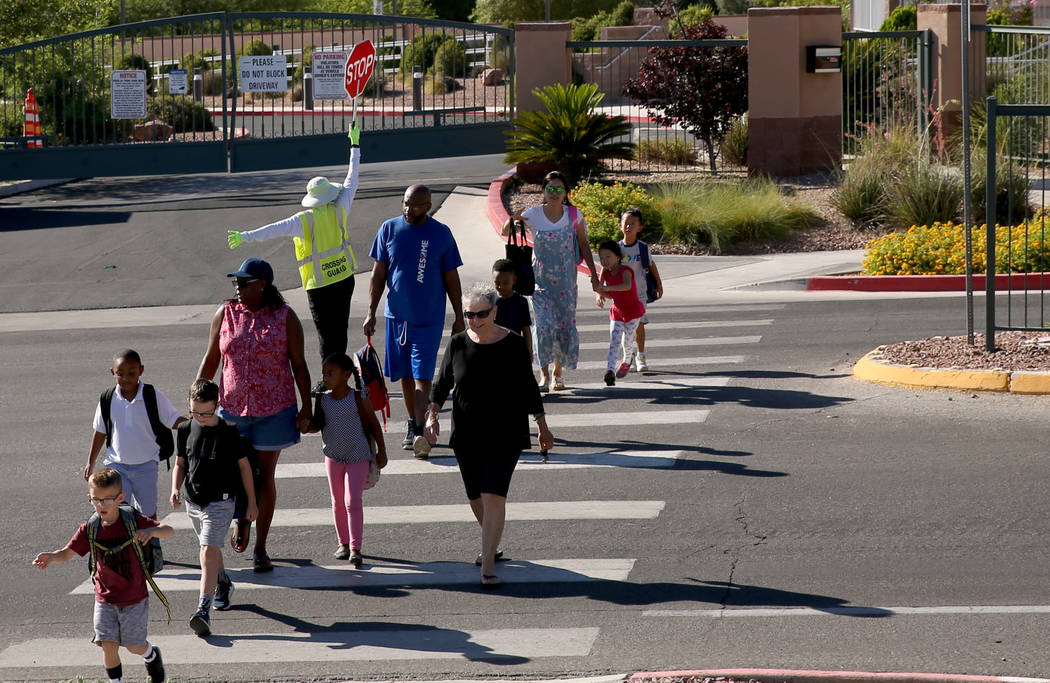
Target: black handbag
{"x": 520, "y": 254}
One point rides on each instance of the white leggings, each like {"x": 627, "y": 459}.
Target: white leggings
{"x": 621, "y": 334}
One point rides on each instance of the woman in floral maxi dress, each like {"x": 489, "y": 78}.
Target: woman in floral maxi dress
{"x": 559, "y": 235}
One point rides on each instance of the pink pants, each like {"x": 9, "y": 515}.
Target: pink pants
{"x": 346, "y": 481}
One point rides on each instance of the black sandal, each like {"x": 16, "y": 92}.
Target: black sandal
{"x": 240, "y": 536}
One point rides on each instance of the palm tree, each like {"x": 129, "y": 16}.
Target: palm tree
{"x": 569, "y": 133}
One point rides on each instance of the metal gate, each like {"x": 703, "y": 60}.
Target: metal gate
{"x": 1017, "y": 234}
{"x": 439, "y": 89}
{"x": 886, "y": 84}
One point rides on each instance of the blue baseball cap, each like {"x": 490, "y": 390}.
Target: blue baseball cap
{"x": 254, "y": 267}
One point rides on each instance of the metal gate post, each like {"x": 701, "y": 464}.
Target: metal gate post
{"x": 989, "y": 230}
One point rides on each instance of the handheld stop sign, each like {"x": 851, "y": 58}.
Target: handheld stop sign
{"x": 359, "y": 66}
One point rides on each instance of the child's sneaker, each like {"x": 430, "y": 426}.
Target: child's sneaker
{"x": 622, "y": 371}
{"x": 155, "y": 667}
{"x": 200, "y": 622}
{"x": 420, "y": 447}
{"x": 223, "y": 593}
{"x": 610, "y": 378}
{"x": 640, "y": 363}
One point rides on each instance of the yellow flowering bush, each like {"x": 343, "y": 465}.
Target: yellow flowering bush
{"x": 602, "y": 206}
{"x": 941, "y": 249}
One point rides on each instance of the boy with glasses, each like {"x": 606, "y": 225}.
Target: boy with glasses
{"x": 121, "y": 615}
{"x": 215, "y": 469}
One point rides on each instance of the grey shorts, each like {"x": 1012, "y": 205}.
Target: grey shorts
{"x": 212, "y": 522}
{"x": 123, "y": 625}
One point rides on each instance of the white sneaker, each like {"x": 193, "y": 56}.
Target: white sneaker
{"x": 421, "y": 447}
{"x": 640, "y": 364}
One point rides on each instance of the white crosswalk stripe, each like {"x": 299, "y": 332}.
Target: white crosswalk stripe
{"x": 325, "y": 646}
{"x": 643, "y": 417}
{"x": 385, "y": 574}
{"x": 586, "y": 309}
{"x": 657, "y": 363}
{"x": 445, "y": 463}
{"x": 682, "y": 325}
{"x": 690, "y": 341}
{"x": 433, "y": 514}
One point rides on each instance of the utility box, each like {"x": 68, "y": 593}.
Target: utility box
{"x": 823, "y": 59}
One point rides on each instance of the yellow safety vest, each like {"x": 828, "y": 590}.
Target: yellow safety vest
{"x": 324, "y": 253}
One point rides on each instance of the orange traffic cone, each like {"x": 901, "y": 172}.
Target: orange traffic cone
{"x": 32, "y": 124}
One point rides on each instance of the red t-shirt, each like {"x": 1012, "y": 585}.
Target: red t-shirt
{"x": 626, "y": 305}
{"x": 119, "y": 579}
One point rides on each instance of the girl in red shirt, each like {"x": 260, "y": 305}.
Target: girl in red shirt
{"x": 617, "y": 283}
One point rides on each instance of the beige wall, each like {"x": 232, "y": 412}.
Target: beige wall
{"x": 945, "y": 22}
{"x": 540, "y": 59}
{"x": 795, "y": 118}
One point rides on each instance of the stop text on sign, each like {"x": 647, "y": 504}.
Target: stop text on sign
{"x": 359, "y": 66}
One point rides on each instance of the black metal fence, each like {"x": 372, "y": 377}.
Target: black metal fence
{"x": 240, "y": 91}
{"x": 1017, "y": 234}
{"x": 1017, "y": 67}
{"x": 610, "y": 64}
{"x": 886, "y": 85}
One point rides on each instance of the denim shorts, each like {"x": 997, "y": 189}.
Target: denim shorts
{"x": 271, "y": 433}
{"x": 211, "y": 522}
{"x": 123, "y": 625}
{"x": 411, "y": 350}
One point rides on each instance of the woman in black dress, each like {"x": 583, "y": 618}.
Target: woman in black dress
{"x": 494, "y": 393}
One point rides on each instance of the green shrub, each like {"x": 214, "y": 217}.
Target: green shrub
{"x": 420, "y": 52}
{"x": 590, "y": 27}
{"x": 602, "y": 206}
{"x": 136, "y": 62}
{"x": 387, "y": 50}
{"x": 569, "y": 133}
{"x": 734, "y": 145}
{"x": 673, "y": 151}
{"x": 12, "y": 119}
{"x": 198, "y": 61}
{"x": 1011, "y": 189}
{"x": 450, "y": 59}
{"x": 716, "y": 214}
{"x": 499, "y": 53}
{"x": 181, "y": 112}
{"x": 693, "y": 14}
{"x": 923, "y": 194}
{"x": 903, "y": 18}
{"x": 70, "y": 112}
{"x": 861, "y": 194}
{"x": 255, "y": 47}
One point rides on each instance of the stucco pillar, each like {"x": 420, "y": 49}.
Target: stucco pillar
{"x": 540, "y": 59}
{"x": 945, "y": 23}
{"x": 794, "y": 118}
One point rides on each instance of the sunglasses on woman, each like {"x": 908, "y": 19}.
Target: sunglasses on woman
{"x": 553, "y": 189}
{"x": 470, "y": 315}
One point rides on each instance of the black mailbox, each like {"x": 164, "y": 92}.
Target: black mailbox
{"x": 823, "y": 59}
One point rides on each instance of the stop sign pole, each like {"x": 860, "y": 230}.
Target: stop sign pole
{"x": 359, "y": 67}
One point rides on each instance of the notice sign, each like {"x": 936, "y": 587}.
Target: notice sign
{"x": 178, "y": 83}
{"x": 264, "y": 74}
{"x": 328, "y": 70}
{"x": 127, "y": 94}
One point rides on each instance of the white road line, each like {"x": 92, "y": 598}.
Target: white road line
{"x": 586, "y": 308}
{"x": 859, "y": 611}
{"x": 343, "y": 575}
{"x": 637, "y": 417}
{"x": 636, "y": 383}
{"x": 656, "y": 363}
{"x": 435, "y": 514}
{"x": 445, "y": 463}
{"x": 683, "y": 325}
{"x": 323, "y": 646}
{"x": 688, "y": 341}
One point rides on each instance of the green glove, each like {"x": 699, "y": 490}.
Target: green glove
{"x": 234, "y": 238}
{"x": 354, "y": 133}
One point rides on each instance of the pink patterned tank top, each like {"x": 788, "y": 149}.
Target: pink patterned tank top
{"x": 256, "y": 375}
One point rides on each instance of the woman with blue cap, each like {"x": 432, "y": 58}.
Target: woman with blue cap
{"x": 321, "y": 235}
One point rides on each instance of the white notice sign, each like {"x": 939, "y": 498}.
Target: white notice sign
{"x": 328, "y": 68}
{"x": 178, "y": 83}
{"x": 264, "y": 74}
{"x": 127, "y": 94}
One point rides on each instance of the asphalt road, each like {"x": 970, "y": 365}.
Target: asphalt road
{"x": 799, "y": 488}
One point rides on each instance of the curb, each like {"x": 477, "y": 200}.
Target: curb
{"x": 872, "y": 368}
{"x": 921, "y": 283}
{"x": 803, "y": 676}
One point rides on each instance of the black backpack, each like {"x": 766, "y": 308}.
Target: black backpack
{"x": 240, "y": 495}
{"x": 162, "y": 432}
{"x": 150, "y": 558}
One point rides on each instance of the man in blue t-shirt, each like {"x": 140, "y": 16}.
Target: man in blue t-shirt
{"x": 416, "y": 259}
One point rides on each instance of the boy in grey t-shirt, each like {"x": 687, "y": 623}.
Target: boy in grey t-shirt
{"x": 631, "y": 248}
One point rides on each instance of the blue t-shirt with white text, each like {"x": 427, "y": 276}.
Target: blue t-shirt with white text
{"x": 417, "y": 257}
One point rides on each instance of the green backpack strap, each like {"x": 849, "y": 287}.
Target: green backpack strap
{"x": 128, "y": 516}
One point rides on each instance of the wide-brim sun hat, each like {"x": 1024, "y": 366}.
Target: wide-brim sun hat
{"x": 320, "y": 191}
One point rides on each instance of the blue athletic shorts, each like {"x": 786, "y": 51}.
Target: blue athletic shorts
{"x": 271, "y": 433}
{"x": 411, "y": 350}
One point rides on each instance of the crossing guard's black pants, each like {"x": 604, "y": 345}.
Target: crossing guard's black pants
{"x": 330, "y": 309}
